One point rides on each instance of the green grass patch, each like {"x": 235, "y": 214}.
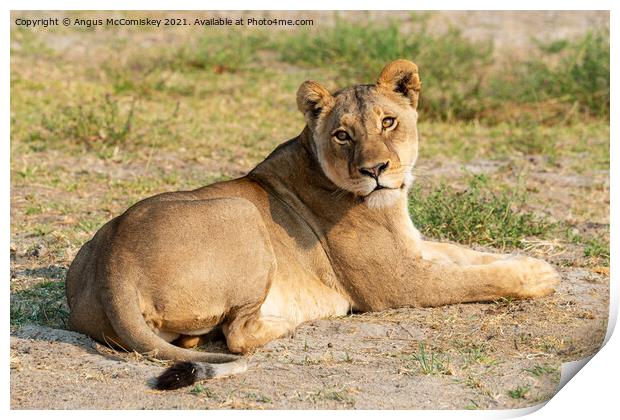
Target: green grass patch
{"x": 146, "y": 71}
{"x": 563, "y": 77}
{"x": 477, "y": 354}
{"x": 258, "y": 397}
{"x": 200, "y": 389}
{"x": 583, "y": 145}
{"x": 476, "y": 215}
{"x": 43, "y": 304}
{"x": 338, "y": 395}
{"x": 99, "y": 121}
{"x": 519, "y": 392}
{"x": 595, "y": 247}
{"x": 27, "y": 42}
{"x": 225, "y": 51}
{"x": 473, "y": 405}
{"x": 541, "y": 370}
{"x": 428, "y": 363}
{"x": 592, "y": 247}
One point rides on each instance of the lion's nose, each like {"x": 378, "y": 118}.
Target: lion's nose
{"x": 374, "y": 171}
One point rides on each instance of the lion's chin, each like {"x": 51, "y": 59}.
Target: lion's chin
{"x": 386, "y": 197}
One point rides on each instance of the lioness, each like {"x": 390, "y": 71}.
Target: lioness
{"x": 318, "y": 229}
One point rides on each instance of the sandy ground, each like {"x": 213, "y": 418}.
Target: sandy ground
{"x": 361, "y": 361}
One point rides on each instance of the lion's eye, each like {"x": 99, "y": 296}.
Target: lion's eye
{"x": 342, "y": 136}
{"x": 387, "y": 122}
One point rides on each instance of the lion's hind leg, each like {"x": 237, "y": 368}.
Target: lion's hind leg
{"x": 244, "y": 334}
{"x": 189, "y": 341}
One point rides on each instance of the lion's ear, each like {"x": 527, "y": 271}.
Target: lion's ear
{"x": 401, "y": 76}
{"x": 312, "y": 98}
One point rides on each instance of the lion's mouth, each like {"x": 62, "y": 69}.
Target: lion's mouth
{"x": 379, "y": 187}
{"x": 383, "y": 187}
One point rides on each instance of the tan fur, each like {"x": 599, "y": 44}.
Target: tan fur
{"x": 304, "y": 235}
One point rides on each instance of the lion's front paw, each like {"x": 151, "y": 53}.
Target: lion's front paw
{"x": 536, "y": 277}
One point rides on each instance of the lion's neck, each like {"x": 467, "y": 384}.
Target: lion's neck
{"x": 293, "y": 174}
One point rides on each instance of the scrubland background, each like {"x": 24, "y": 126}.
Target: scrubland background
{"x": 514, "y": 156}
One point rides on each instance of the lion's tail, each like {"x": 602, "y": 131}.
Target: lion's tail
{"x": 124, "y": 314}
{"x": 183, "y": 374}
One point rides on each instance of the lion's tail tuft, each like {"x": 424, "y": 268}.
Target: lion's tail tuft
{"x": 183, "y": 374}
{"x": 179, "y": 375}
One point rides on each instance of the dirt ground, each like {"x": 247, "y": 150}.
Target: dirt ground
{"x": 504, "y": 354}
{"x": 356, "y": 362}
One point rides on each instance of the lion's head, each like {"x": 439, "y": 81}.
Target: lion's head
{"x": 366, "y": 136}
